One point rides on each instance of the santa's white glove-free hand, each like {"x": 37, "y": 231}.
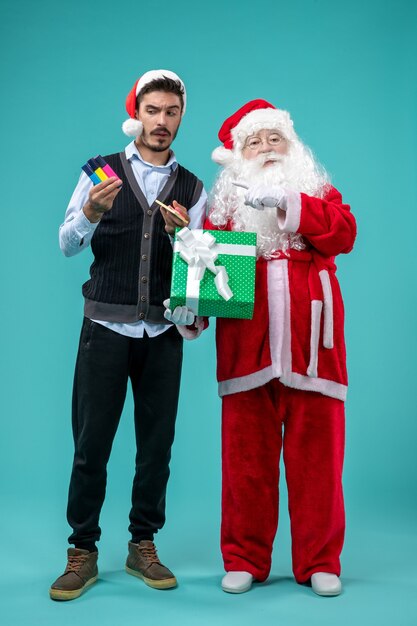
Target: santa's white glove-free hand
{"x": 181, "y": 315}
{"x": 261, "y": 196}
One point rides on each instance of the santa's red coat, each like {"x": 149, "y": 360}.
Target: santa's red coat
{"x": 296, "y": 333}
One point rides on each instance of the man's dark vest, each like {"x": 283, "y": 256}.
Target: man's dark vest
{"x": 131, "y": 272}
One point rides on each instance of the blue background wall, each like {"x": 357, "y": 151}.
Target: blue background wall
{"x": 347, "y": 74}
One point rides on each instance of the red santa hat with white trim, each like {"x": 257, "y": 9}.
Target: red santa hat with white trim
{"x": 132, "y": 127}
{"x": 248, "y": 120}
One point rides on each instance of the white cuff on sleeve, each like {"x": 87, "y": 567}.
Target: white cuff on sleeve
{"x": 289, "y": 216}
{"x": 82, "y": 225}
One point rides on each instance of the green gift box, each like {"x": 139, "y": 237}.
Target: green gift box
{"x": 213, "y": 272}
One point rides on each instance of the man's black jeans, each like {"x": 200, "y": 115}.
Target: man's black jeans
{"x": 105, "y": 362}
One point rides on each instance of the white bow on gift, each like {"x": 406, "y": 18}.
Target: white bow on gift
{"x": 196, "y": 249}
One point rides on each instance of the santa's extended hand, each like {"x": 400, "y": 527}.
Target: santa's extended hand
{"x": 181, "y": 315}
{"x": 261, "y": 196}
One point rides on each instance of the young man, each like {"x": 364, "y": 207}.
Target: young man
{"x": 282, "y": 375}
{"x": 124, "y": 334}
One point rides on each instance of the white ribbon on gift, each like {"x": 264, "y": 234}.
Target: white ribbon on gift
{"x": 200, "y": 251}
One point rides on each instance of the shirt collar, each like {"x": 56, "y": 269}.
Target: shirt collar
{"x": 132, "y": 152}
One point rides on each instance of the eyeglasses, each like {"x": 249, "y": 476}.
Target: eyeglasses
{"x": 254, "y": 143}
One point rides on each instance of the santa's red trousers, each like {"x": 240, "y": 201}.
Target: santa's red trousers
{"x": 310, "y": 429}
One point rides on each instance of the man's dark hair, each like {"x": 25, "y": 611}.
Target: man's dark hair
{"x": 162, "y": 84}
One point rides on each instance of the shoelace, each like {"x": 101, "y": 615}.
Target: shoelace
{"x": 75, "y": 562}
{"x": 149, "y": 553}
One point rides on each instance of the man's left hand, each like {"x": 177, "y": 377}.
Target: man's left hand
{"x": 172, "y": 221}
{"x": 261, "y": 196}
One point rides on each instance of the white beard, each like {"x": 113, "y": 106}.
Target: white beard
{"x": 297, "y": 171}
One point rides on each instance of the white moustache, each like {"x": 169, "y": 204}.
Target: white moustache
{"x": 259, "y": 161}
{"x": 271, "y": 156}
{"x": 265, "y": 168}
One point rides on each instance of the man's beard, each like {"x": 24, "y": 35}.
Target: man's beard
{"x": 145, "y": 139}
{"x": 297, "y": 172}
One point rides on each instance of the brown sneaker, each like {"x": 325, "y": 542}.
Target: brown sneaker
{"x": 80, "y": 573}
{"x": 143, "y": 562}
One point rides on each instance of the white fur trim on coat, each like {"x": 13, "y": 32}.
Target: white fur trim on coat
{"x": 320, "y": 385}
{"x": 316, "y": 308}
{"x": 289, "y": 379}
{"x": 289, "y": 216}
{"x": 328, "y": 309}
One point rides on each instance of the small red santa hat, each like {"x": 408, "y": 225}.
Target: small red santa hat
{"x": 133, "y": 127}
{"x": 249, "y": 119}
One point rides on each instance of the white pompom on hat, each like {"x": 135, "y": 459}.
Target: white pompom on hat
{"x": 132, "y": 127}
{"x": 249, "y": 119}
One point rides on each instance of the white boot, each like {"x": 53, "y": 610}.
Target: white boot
{"x": 325, "y": 584}
{"x": 237, "y": 582}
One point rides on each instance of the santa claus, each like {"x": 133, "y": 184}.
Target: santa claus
{"x": 282, "y": 374}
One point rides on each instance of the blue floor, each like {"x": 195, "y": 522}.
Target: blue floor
{"x": 379, "y": 577}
